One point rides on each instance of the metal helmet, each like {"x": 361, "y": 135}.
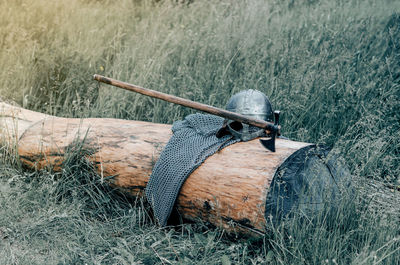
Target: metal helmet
{"x": 251, "y": 103}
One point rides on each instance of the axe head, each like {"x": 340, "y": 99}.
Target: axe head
{"x": 269, "y": 143}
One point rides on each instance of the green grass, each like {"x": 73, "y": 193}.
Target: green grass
{"x": 331, "y": 67}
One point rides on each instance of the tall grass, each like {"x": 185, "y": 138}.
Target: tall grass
{"x": 71, "y": 217}
{"x": 331, "y": 67}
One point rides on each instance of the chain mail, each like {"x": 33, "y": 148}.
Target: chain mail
{"x": 193, "y": 140}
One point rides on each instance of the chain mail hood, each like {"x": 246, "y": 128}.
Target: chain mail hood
{"x": 193, "y": 140}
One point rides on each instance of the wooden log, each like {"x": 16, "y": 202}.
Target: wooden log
{"x": 229, "y": 189}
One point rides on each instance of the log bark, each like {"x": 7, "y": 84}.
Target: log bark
{"x": 229, "y": 190}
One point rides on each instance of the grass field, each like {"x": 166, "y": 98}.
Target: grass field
{"x": 331, "y": 66}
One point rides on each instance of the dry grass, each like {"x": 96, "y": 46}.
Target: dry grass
{"x": 332, "y": 67}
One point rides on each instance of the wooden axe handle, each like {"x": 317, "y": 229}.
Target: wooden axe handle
{"x": 191, "y": 104}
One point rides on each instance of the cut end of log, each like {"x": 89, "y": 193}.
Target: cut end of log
{"x": 307, "y": 182}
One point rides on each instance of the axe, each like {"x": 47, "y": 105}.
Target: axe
{"x": 272, "y": 129}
